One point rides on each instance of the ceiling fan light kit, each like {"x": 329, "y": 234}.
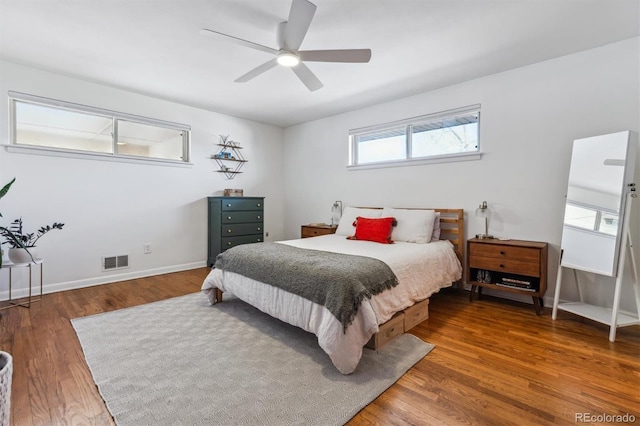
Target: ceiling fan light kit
{"x": 289, "y": 37}
{"x": 288, "y": 59}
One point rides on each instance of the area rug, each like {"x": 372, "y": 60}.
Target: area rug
{"x": 183, "y": 362}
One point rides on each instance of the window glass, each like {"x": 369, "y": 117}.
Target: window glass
{"x": 441, "y": 135}
{"x": 149, "y": 141}
{"x": 59, "y": 128}
{"x": 591, "y": 218}
{"x": 443, "y": 138}
{"x": 609, "y": 224}
{"x": 62, "y": 126}
{"x": 382, "y": 146}
{"x": 580, "y": 217}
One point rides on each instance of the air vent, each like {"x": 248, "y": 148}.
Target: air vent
{"x": 115, "y": 262}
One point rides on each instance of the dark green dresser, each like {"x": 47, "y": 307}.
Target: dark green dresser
{"x": 234, "y": 221}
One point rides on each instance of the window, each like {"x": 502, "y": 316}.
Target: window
{"x": 591, "y": 219}
{"x": 441, "y": 136}
{"x": 52, "y": 125}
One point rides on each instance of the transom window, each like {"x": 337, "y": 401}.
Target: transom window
{"x": 44, "y": 123}
{"x": 439, "y": 136}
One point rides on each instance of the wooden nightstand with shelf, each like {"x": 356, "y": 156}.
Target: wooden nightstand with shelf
{"x": 514, "y": 266}
{"x": 317, "y": 229}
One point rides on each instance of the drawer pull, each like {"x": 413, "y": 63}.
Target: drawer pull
{"x": 228, "y": 217}
{"x": 259, "y": 205}
{"x": 501, "y": 265}
{"x": 259, "y": 240}
{"x": 229, "y": 231}
{"x": 229, "y": 243}
{"x": 259, "y": 229}
{"x": 229, "y": 205}
{"x": 502, "y": 253}
{"x": 259, "y": 217}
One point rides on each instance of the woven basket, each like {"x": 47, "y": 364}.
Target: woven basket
{"x": 6, "y": 370}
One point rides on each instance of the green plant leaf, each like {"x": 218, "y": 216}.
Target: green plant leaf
{"x": 5, "y": 188}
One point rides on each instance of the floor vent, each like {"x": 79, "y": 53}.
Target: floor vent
{"x": 115, "y": 262}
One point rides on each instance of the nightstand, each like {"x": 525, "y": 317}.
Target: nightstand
{"x": 314, "y": 230}
{"x": 514, "y": 266}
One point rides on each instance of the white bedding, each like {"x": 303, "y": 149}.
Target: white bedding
{"x": 422, "y": 269}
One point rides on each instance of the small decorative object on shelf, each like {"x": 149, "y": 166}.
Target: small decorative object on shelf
{"x": 230, "y": 151}
{"x": 233, "y": 192}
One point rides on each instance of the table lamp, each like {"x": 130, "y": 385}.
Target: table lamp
{"x": 483, "y": 212}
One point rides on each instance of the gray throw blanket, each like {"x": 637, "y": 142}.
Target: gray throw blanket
{"x": 340, "y": 282}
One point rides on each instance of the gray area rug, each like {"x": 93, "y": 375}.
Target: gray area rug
{"x": 183, "y": 362}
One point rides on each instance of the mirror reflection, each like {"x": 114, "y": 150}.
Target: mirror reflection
{"x": 601, "y": 167}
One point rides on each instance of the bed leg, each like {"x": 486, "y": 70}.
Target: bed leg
{"x": 218, "y": 295}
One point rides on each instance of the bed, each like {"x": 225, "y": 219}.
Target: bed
{"x": 423, "y": 258}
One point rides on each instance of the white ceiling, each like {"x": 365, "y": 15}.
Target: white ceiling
{"x": 154, "y": 47}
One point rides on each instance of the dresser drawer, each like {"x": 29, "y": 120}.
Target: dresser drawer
{"x": 390, "y": 329}
{"x": 315, "y": 231}
{"x": 523, "y": 254}
{"x": 228, "y": 242}
{"x": 242, "y": 229}
{"x": 504, "y": 265}
{"x": 415, "y": 314}
{"x": 229, "y": 217}
{"x": 239, "y": 204}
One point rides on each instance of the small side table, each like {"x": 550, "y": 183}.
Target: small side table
{"x": 317, "y": 229}
{"x": 11, "y": 266}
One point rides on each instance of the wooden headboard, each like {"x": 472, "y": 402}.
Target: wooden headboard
{"x": 451, "y": 227}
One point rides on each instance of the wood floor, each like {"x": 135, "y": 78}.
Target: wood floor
{"x": 495, "y": 362}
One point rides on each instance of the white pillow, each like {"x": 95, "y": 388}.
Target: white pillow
{"x": 414, "y": 226}
{"x": 436, "y": 228}
{"x": 349, "y": 215}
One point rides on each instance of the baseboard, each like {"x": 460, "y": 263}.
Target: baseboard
{"x": 90, "y": 282}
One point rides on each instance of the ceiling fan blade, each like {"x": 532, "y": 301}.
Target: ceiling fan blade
{"x": 257, "y": 71}
{"x": 346, "y": 55}
{"x": 300, "y": 17}
{"x": 307, "y": 77}
{"x": 236, "y": 40}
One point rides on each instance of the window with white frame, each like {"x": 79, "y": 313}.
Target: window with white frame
{"x": 443, "y": 136}
{"x": 47, "y": 124}
{"x": 591, "y": 218}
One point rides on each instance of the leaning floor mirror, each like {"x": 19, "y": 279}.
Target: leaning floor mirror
{"x": 595, "y": 234}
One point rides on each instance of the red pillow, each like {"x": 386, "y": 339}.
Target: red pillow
{"x": 377, "y": 230}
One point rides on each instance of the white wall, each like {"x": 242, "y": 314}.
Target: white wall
{"x": 530, "y": 116}
{"x": 112, "y": 208}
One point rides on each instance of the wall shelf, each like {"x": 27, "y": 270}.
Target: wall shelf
{"x": 229, "y": 158}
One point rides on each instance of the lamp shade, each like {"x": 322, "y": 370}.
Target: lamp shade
{"x": 483, "y": 210}
{"x": 482, "y": 213}
{"x": 336, "y": 212}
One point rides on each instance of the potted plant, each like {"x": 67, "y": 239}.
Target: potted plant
{"x": 3, "y": 191}
{"x": 23, "y": 244}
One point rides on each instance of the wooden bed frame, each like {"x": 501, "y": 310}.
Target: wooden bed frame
{"x": 452, "y": 229}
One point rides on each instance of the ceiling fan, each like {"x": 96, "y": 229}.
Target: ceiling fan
{"x": 289, "y": 37}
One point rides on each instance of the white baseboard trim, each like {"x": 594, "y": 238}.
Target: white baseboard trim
{"x": 90, "y": 282}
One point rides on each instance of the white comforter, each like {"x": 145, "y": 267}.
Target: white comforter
{"x": 422, "y": 269}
